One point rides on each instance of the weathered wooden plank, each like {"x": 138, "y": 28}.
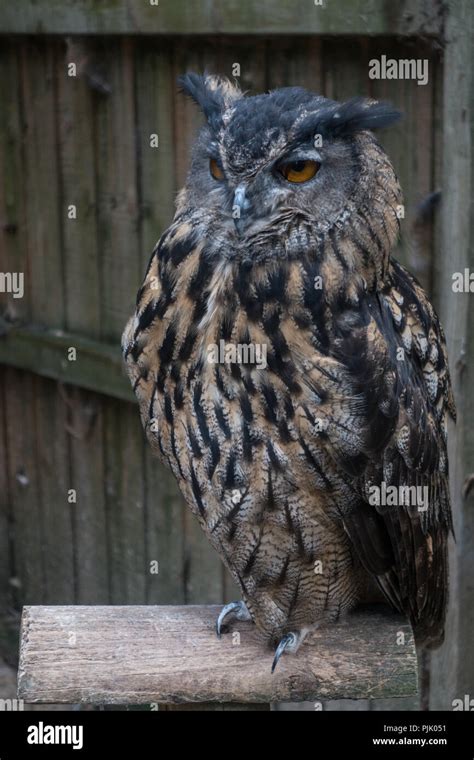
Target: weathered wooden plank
{"x": 121, "y": 273}
{"x": 12, "y": 210}
{"x": 76, "y": 127}
{"x": 254, "y": 67}
{"x": 296, "y": 64}
{"x": 345, "y": 70}
{"x": 86, "y": 431}
{"x": 6, "y": 569}
{"x": 121, "y": 270}
{"x": 13, "y": 260}
{"x": 24, "y": 488}
{"x": 85, "y": 283}
{"x": 165, "y": 535}
{"x": 44, "y": 221}
{"x": 57, "y": 512}
{"x": 155, "y": 89}
{"x": 29, "y": 425}
{"x": 452, "y": 667}
{"x": 408, "y": 704}
{"x": 125, "y": 503}
{"x": 214, "y": 17}
{"x": 117, "y": 655}
{"x": 41, "y": 182}
{"x": 98, "y": 366}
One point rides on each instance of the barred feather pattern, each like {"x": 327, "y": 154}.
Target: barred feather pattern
{"x": 277, "y": 463}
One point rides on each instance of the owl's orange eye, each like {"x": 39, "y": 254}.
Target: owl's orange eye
{"x": 216, "y": 169}
{"x": 299, "y": 171}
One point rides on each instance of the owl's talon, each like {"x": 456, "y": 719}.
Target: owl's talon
{"x": 288, "y": 642}
{"x": 238, "y": 610}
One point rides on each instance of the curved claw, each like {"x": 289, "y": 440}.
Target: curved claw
{"x": 238, "y": 609}
{"x": 288, "y": 640}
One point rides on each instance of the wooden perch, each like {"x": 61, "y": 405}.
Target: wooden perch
{"x": 162, "y": 655}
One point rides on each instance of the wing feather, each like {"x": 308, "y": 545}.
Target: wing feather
{"x": 401, "y": 397}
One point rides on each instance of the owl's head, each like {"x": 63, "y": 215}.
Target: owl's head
{"x": 283, "y": 165}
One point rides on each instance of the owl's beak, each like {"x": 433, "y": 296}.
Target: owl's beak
{"x": 240, "y": 208}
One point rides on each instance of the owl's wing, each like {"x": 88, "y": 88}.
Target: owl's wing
{"x": 394, "y": 353}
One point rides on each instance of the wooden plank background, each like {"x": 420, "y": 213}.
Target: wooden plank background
{"x": 408, "y": 17}
{"x": 85, "y": 141}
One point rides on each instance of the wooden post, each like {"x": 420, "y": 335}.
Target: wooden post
{"x": 452, "y": 666}
{"x": 171, "y": 655}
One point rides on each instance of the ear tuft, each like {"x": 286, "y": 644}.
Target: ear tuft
{"x": 362, "y": 113}
{"x": 212, "y": 94}
{"x": 345, "y": 119}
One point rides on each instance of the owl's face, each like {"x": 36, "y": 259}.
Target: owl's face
{"x": 277, "y": 165}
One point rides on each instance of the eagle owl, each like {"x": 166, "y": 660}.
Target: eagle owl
{"x": 329, "y": 388}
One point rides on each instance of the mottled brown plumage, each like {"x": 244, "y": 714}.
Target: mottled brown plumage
{"x": 277, "y": 462}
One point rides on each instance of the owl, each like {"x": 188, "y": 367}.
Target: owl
{"x": 291, "y": 373}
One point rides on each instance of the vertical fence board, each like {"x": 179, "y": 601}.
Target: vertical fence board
{"x": 44, "y": 215}
{"x": 117, "y": 182}
{"x": 76, "y": 116}
{"x": 6, "y": 570}
{"x": 165, "y": 536}
{"x": 25, "y": 486}
{"x": 121, "y": 275}
{"x": 86, "y": 429}
{"x": 452, "y": 666}
{"x": 76, "y": 110}
{"x": 344, "y": 68}
{"x": 254, "y": 69}
{"x": 44, "y": 415}
{"x": 12, "y": 211}
{"x": 44, "y": 209}
{"x": 119, "y": 257}
{"x": 154, "y": 93}
{"x": 295, "y": 64}
{"x": 12, "y": 259}
{"x": 164, "y": 506}
{"x": 125, "y": 491}
{"x": 54, "y": 482}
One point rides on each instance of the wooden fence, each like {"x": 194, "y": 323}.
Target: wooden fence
{"x": 85, "y": 512}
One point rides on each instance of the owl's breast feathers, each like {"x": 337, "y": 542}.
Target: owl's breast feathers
{"x": 282, "y": 450}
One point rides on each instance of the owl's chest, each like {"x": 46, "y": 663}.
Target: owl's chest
{"x": 239, "y": 388}
{"x": 250, "y": 397}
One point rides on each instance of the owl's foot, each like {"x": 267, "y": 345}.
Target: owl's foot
{"x": 238, "y": 610}
{"x": 289, "y": 643}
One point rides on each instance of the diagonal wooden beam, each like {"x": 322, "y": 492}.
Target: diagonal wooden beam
{"x": 97, "y": 366}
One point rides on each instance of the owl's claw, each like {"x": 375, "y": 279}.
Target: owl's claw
{"x": 288, "y": 642}
{"x": 238, "y": 610}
